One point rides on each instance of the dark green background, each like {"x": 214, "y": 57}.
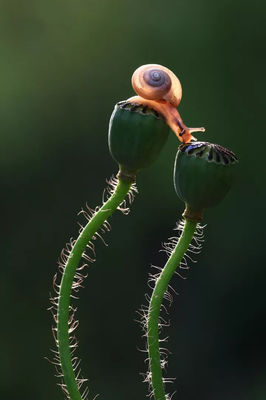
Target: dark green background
{"x": 64, "y": 64}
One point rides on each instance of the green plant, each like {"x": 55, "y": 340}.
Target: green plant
{"x": 148, "y": 134}
{"x": 138, "y": 130}
{"x": 203, "y": 174}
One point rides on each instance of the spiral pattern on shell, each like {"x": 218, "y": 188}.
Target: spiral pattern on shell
{"x": 157, "y": 78}
{"x": 156, "y": 82}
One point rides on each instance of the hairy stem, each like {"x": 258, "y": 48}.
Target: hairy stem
{"x": 72, "y": 263}
{"x": 155, "y": 306}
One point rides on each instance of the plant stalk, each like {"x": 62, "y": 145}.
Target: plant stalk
{"x": 155, "y": 306}
{"x": 72, "y": 263}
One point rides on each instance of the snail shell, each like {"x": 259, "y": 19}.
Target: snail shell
{"x": 156, "y": 82}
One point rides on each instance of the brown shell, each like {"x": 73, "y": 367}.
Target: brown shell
{"x": 156, "y": 82}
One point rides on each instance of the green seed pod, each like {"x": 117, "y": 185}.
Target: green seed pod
{"x": 136, "y": 136}
{"x": 203, "y": 174}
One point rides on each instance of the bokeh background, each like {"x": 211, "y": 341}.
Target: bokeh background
{"x": 64, "y": 64}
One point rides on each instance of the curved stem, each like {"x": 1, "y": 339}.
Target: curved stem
{"x": 72, "y": 263}
{"x": 155, "y": 306}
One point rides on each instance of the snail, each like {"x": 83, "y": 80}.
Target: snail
{"x": 159, "y": 88}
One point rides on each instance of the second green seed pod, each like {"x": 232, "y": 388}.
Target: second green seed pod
{"x": 203, "y": 174}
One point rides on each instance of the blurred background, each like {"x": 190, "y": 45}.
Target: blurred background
{"x": 63, "y": 67}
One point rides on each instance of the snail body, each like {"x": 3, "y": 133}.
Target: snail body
{"x": 159, "y": 88}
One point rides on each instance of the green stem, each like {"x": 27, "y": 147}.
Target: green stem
{"x": 72, "y": 263}
{"x": 155, "y": 306}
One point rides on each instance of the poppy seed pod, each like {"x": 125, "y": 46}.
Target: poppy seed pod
{"x": 136, "y": 136}
{"x": 203, "y": 174}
